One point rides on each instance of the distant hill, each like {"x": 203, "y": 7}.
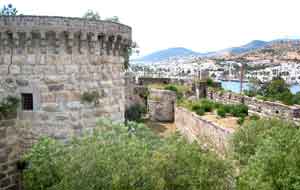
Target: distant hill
{"x": 168, "y": 53}
{"x": 253, "y": 46}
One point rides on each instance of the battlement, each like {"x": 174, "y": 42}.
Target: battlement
{"x": 58, "y": 35}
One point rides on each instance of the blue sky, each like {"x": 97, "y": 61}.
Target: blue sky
{"x": 201, "y": 25}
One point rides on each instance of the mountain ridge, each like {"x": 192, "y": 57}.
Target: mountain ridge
{"x": 168, "y": 53}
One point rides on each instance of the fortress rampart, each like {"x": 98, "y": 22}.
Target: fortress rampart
{"x": 25, "y": 35}
{"x": 50, "y": 64}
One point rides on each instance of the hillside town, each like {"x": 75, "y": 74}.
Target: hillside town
{"x": 263, "y": 70}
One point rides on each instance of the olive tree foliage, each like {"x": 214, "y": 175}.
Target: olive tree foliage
{"x": 122, "y": 157}
{"x": 269, "y": 153}
{"x": 92, "y": 15}
{"x": 8, "y": 10}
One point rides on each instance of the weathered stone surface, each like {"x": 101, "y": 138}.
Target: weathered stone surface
{"x": 55, "y": 87}
{"x": 260, "y": 107}
{"x": 161, "y": 105}
{"x": 51, "y": 107}
{"x": 57, "y": 70}
{"x": 21, "y": 82}
{"x": 206, "y": 133}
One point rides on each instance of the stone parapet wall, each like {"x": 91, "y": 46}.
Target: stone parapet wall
{"x": 150, "y": 80}
{"x": 161, "y": 105}
{"x": 204, "y": 132}
{"x": 134, "y": 94}
{"x": 264, "y": 108}
{"x": 61, "y": 35}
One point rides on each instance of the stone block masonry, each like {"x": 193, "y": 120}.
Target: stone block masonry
{"x": 48, "y": 63}
{"x": 161, "y": 105}
{"x": 134, "y": 94}
{"x": 204, "y": 132}
{"x": 260, "y": 107}
{"x": 56, "y": 60}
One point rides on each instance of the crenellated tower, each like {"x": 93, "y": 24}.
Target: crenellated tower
{"x": 50, "y": 63}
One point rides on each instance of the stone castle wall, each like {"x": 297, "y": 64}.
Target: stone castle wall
{"x": 260, "y": 107}
{"x": 150, "y": 80}
{"x": 134, "y": 94}
{"x": 9, "y": 155}
{"x": 57, "y": 59}
{"x": 161, "y": 105}
{"x": 204, "y": 132}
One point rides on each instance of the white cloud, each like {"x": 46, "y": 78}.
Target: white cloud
{"x": 202, "y": 25}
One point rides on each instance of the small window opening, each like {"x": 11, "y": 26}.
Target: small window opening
{"x": 27, "y": 101}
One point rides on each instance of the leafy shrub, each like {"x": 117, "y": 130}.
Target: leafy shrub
{"x": 207, "y": 105}
{"x": 286, "y": 97}
{"x": 254, "y": 117}
{"x": 124, "y": 157}
{"x": 179, "y": 94}
{"x": 296, "y": 98}
{"x": 135, "y": 112}
{"x": 239, "y": 110}
{"x": 249, "y": 93}
{"x": 227, "y": 108}
{"x": 217, "y": 105}
{"x": 90, "y": 97}
{"x": 200, "y": 111}
{"x": 221, "y": 112}
{"x": 9, "y": 107}
{"x": 271, "y": 153}
{"x": 275, "y": 90}
{"x": 247, "y": 139}
{"x": 210, "y": 82}
{"x": 171, "y": 87}
{"x": 241, "y": 120}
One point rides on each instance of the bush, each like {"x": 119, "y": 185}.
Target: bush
{"x": 227, "y": 108}
{"x": 135, "y": 112}
{"x": 207, "y": 105}
{"x": 9, "y": 107}
{"x": 221, "y": 112}
{"x": 179, "y": 94}
{"x": 296, "y": 98}
{"x": 90, "y": 97}
{"x": 272, "y": 153}
{"x": 124, "y": 157}
{"x": 200, "y": 111}
{"x": 239, "y": 110}
{"x": 248, "y": 138}
{"x": 241, "y": 120}
{"x": 210, "y": 82}
{"x": 254, "y": 117}
{"x": 195, "y": 107}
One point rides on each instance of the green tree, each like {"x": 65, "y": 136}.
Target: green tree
{"x": 275, "y": 90}
{"x": 92, "y": 15}
{"x": 254, "y": 87}
{"x": 127, "y": 158}
{"x": 268, "y": 151}
{"x": 8, "y": 10}
{"x": 275, "y": 164}
{"x": 277, "y": 86}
